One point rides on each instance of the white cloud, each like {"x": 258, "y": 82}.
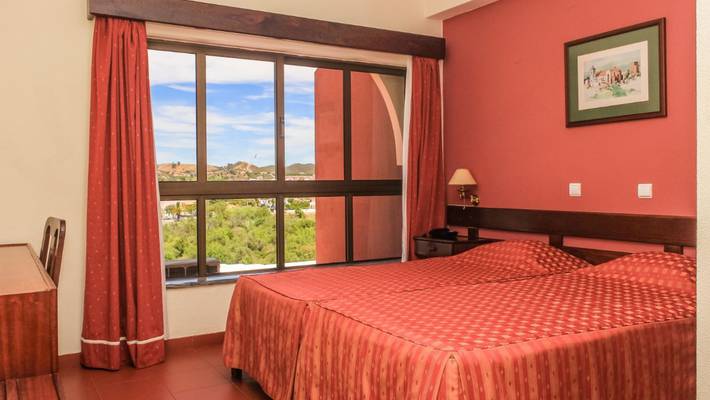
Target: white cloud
{"x": 300, "y": 126}
{"x": 266, "y": 94}
{"x": 235, "y": 70}
{"x": 167, "y": 67}
{"x": 300, "y": 139}
{"x": 218, "y": 122}
{"x": 181, "y": 120}
{"x": 165, "y": 156}
{"x": 297, "y": 73}
{"x": 173, "y": 68}
{"x": 299, "y": 88}
{"x": 174, "y": 119}
{"x": 183, "y": 88}
{"x": 176, "y": 141}
{"x": 299, "y": 80}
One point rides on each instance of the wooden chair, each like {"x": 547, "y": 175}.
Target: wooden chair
{"x": 52, "y": 247}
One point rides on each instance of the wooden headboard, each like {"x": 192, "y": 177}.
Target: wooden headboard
{"x": 673, "y": 232}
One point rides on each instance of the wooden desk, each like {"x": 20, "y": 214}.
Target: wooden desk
{"x": 28, "y": 324}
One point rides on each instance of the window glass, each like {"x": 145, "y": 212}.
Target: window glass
{"x": 377, "y": 227}
{"x": 314, "y": 230}
{"x": 313, "y": 123}
{"x": 377, "y": 104}
{"x": 241, "y": 234}
{"x": 172, "y": 91}
{"x": 179, "y": 220}
{"x": 240, "y": 119}
{"x": 240, "y": 154}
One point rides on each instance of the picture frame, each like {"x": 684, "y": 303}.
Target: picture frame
{"x": 616, "y": 76}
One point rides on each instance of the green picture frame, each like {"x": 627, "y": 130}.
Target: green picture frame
{"x": 617, "y": 76}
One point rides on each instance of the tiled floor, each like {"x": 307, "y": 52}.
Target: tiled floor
{"x": 190, "y": 372}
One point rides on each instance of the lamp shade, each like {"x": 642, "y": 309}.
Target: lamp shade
{"x": 462, "y": 177}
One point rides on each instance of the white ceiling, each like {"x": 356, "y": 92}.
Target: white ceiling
{"x": 444, "y": 9}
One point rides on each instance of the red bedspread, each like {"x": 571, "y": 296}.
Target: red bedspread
{"x": 598, "y": 333}
{"x": 268, "y": 312}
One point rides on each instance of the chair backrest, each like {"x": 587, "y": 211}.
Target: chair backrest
{"x": 52, "y": 247}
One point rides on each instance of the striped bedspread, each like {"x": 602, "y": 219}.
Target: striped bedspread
{"x": 268, "y": 313}
{"x": 599, "y": 333}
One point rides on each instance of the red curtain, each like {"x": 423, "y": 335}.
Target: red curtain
{"x": 426, "y": 190}
{"x": 123, "y": 298}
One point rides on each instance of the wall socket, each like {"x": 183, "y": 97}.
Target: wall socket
{"x": 645, "y": 191}
{"x": 575, "y": 190}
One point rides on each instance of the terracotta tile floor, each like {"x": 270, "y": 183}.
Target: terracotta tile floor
{"x": 190, "y": 372}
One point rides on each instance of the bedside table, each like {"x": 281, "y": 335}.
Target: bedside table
{"x": 425, "y": 246}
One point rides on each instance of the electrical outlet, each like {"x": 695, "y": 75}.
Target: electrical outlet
{"x": 575, "y": 190}
{"x": 645, "y": 191}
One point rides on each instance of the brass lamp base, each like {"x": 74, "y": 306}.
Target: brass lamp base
{"x": 473, "y": 199}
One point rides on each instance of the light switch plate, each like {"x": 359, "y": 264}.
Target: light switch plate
{"x": 645, "y": 191}
{"x": 575, "y": 190}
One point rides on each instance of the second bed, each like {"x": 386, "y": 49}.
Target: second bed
{"x": 268, "y": 313}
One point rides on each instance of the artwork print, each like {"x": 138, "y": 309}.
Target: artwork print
{"x": 613, "y": 77}
{"x": 616, "y": 76}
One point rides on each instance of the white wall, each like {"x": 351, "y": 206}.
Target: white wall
{"x": 703, "y": 60}
{"x": 44, "y": 115}
{"x": 195, "y": 311}
{"x": 444, "y": 9}
{"x": 398, "y": 15}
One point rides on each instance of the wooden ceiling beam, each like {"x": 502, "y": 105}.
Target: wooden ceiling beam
{"x": 239, "y": 20}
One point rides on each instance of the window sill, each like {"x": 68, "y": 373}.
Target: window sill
{"x": 219, "y": 279}
{"x": 193, "y": 282}
{"x": 232, "y": 278}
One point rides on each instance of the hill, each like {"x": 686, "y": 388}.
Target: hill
{"x": 240, "y": 170}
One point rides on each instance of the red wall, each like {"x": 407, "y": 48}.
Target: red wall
{"x": 373, "y": 146}
{"x": 504, "y": 110}
{"x": 328, "y": 111}
{"x": 377, "y": 220}
{"x": 330, "y": 212}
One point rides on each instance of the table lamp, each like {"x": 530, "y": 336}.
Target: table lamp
{"x": 462, "y": 177}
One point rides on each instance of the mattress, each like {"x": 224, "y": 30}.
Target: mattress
{"x": 613, "y": 331}
{"x": 268, "y": 313}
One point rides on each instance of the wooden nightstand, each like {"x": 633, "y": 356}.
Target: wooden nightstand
{"x": 425, "y": 246}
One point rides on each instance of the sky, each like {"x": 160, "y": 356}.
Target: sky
{"x": 240, "y": 110}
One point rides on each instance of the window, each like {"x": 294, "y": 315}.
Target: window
{"x": 240, "y": 119}
{"x": 179, "y": 238}
{"x": 268, "y": 162}
{"x": 378, "y": 227}
{"x": 173, "y": 86}
{"x": 241, "y": 234}
{"x": 314, "y": 146}
{"x": 377, "y": 113}
{"x": 314, "y": 230}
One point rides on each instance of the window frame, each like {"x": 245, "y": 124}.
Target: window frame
{"x": 202, "y": 189}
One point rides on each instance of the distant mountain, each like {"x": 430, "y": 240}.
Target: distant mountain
{"x": 240, "y": 170}
{"x": 300, "y": 169}
{"x": 176, "y": 172}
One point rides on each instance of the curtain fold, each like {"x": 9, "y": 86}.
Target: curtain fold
{"x": 123, "y": 301}
{"x": 426, "y": 189}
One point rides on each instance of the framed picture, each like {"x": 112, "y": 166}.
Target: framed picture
{"x": 617, "y": 76}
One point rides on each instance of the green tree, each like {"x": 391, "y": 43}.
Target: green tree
{"x": 240, "y": 231}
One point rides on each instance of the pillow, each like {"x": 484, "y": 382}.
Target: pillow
{"x": 658, "y": 268}
{"x": 526, "y": 255}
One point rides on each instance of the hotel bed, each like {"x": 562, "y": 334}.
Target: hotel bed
{"x": 493, "y": 322}
{"x": 624, "y": 329}
{"x": 269, "y": 312}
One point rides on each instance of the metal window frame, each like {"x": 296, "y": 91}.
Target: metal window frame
{"x": 202, "y": 190}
